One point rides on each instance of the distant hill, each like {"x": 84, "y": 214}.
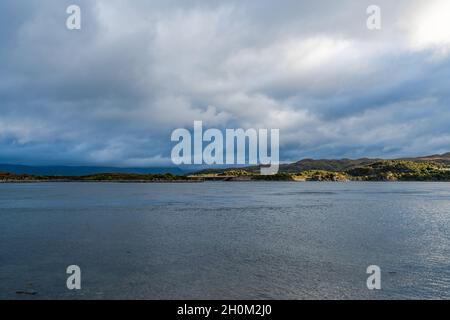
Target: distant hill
{"x": 339, "y": 165}
{"x": 83, "y": 170}
{"x": 326, "y": 165}
{"x": 349, "y": 164}
{"x": 428, "y": 168}
{"x": 439, "y": 158}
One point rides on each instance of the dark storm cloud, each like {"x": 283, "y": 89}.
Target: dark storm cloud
{"x": 112, "y": 92}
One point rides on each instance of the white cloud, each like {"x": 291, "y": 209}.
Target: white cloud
{"x": 429, "y": 27}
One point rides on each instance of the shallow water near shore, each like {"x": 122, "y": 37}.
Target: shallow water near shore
{"x": 225, "y": 240}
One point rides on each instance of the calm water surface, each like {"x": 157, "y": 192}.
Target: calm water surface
{"x": 219, "y": 240}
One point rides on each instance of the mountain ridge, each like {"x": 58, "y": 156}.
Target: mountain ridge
{"x": 426, "y": 168}
{"x": 345, "y": 164}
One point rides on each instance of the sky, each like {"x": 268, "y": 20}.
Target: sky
{"x": 112, "y": 92}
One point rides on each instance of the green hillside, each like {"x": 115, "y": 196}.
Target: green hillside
{"x": 432, "y": 168}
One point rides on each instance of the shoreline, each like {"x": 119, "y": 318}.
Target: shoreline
{"x": 207, "y": 180}
{"x": 97, "y": 181}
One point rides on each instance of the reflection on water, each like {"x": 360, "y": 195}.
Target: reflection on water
{"x": 219, "y": 240}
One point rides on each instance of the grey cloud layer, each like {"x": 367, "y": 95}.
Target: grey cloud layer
{"x": 112, "y": 92}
